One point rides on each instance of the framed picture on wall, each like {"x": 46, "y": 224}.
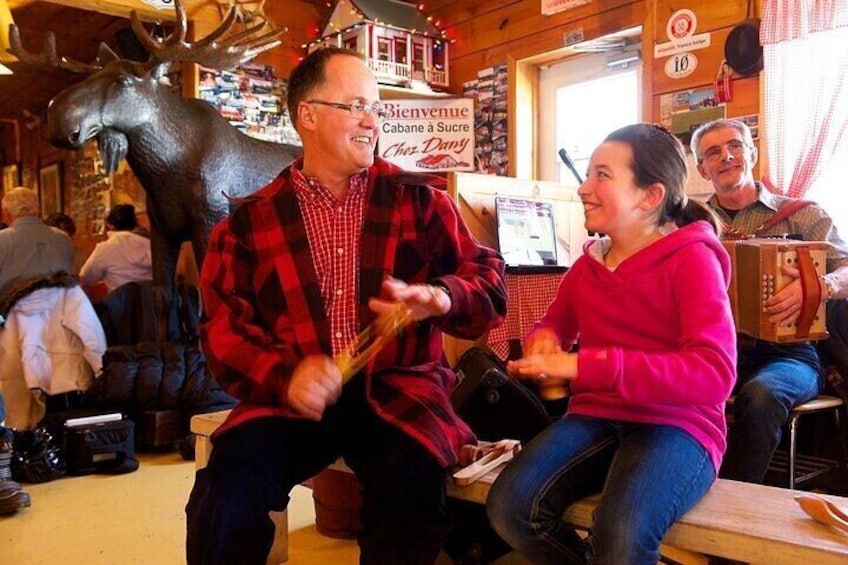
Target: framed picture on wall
{"x": 50, "y": 188}
{"x": 11, "y": 177}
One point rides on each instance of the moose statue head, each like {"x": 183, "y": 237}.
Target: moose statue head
{"x": 189, "y": 160}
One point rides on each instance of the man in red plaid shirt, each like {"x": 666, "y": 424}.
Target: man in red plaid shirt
{"x": 289, "y": 281}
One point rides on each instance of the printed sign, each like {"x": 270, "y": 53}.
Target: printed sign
{"x": 553, "y": 6}
{"x": 680, "y": 29}
{"x": 429, "y": 135}
{"x": 681, "y": 65}
{"x": 681, "y": 25}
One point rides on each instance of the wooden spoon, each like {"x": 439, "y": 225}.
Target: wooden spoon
{"x": 822, "y": 510}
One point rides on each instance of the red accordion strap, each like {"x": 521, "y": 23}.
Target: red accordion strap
{"x": 810, "y": 292}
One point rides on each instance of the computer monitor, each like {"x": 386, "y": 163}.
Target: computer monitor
{"x": 526, "y": 233}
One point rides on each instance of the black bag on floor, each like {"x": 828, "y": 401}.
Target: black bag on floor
{"x": 36, "y": 456}
{"x": 105, "y": 447}
{"x": 496, "y": 407}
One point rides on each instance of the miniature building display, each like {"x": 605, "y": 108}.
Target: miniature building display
{"x": 398, "y": 42}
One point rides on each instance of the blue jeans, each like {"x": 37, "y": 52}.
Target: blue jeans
{"x": 649, "y": 476}
{"x": 773, "y": 378}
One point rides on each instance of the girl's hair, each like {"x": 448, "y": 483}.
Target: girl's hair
{"x": 658, "y": 157}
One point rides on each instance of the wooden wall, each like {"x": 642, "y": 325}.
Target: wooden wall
{"x": 489, "y": 33}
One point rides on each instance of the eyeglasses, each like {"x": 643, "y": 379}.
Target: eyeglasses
{"x": 357, "y": 110}
{"x": 714, "y": 153}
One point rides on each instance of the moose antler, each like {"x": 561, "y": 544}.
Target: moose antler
{"x": 48, "y": 58}
{"x": 231, "y": 51}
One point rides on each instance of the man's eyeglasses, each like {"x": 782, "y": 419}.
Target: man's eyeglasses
{"x": 357, "y": 110}
{"x": 714, "y": 153}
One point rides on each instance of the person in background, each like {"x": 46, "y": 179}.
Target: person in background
{"x": 289, "y": 281}
{"x": 773, "y": 378}
{"x": 29, "y": 247}
{"x": 645, "y": 424}
{"x": 124, "y": 257}
{"x": 51, "y": 343}
{"x": 65, "y": 223}
{"x": 62, "y": 221}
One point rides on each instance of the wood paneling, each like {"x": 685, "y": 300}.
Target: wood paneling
{"x": 475, "y": 53}
{"x": 521, "y": 22}
{"x": 710, "y": 15}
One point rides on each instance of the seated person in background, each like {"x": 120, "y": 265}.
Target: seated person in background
{"x": 124, "y": 257}
{"x": 29, "y": 247}
{"x": 51, "y": 342}
{"x": 65, "y": 223}
{"x": 645, "y": 424}
{"x": 773, "y": 378}
{"x": 62, "y": 221}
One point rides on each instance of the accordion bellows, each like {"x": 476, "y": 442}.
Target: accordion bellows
{"x": 757, "y": 275}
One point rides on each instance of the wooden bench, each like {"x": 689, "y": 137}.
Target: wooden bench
{"x": 751, "y": 523}
{"x": 747, "y": 522}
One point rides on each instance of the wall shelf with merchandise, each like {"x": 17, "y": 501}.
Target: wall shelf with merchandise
{"x": 252, "y": 99}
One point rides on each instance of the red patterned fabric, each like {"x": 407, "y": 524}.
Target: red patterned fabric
{"x": 806, "y": 89}
{"x": 263, "y": 310}
{"x": 529, "y": 296}
{"x": 333, "y": 228}
{"x": 785, "y": 20}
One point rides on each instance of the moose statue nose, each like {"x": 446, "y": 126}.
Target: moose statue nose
{"x": 65, "y": 123}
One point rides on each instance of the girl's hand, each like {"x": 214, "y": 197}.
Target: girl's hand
{"x": 543, "y": 340}
{"x": 559, "y": 365}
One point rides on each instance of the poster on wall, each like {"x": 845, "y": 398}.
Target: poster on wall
{"x": 428, "y": 135}
{"x": 683, "y": 111}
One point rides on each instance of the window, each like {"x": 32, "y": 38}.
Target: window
{"x": 384, "y": 49}
{"x": 417, "y": 56}
{"x": 805, "y": 106}
{"x": 587, "y": 100}
{"x": 400, "y": 50}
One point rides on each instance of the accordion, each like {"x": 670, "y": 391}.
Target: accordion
{"x": 757, "y": 276}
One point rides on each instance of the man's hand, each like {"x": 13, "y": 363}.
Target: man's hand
{"x": 423, "y": 300}
{"x": 315, "y": 384}
{"x": 784, "y": 307}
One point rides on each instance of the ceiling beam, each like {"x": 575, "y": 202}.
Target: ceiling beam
{"x": 197, "y": 10}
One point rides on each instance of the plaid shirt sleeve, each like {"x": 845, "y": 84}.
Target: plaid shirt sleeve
{"x": 472, "y": 273}
{"x": 246, "y": 359}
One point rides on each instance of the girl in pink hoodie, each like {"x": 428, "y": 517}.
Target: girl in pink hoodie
{"x": 645, "y": 426}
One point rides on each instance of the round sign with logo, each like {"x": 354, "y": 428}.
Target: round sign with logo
{"x": 681, "y": 65}
{"x": 681, "y": 25}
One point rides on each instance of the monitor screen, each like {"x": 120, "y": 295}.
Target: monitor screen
{"x": 526, "y": 233}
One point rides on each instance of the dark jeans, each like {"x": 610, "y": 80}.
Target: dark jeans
{"x": 773, "y": 378}
{"x": 253, "y": 468}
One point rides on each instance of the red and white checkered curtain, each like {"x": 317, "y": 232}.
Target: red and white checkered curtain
{"x": 805, "y": 49}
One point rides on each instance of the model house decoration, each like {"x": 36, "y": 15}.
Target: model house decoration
{"x": 400, "y": 45}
